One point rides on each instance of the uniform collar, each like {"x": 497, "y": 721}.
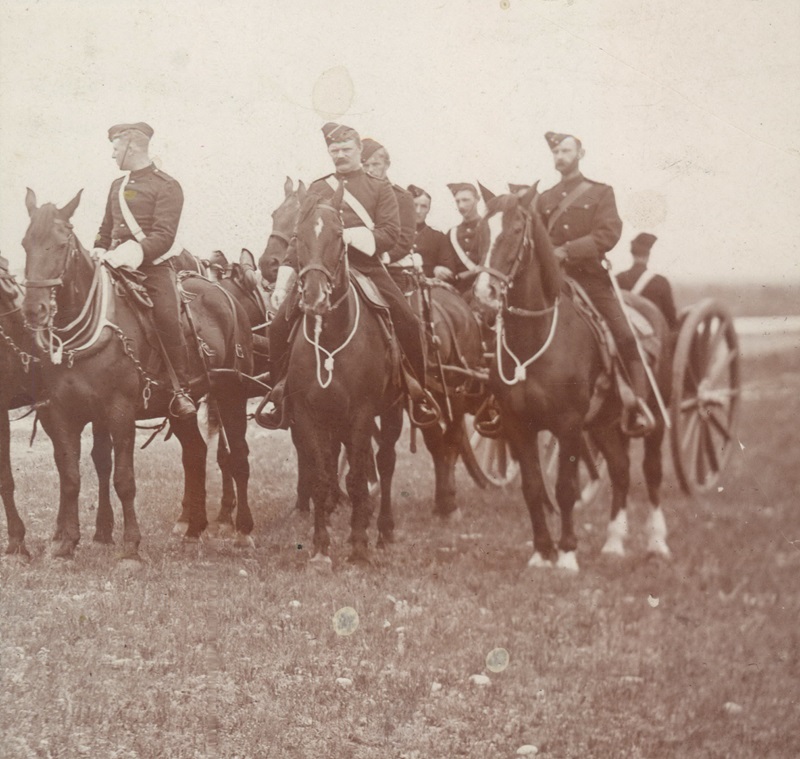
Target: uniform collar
{"x": 568, "y": 184}
{"x": 349, "y": 174}
{"x": 141, "y": 172}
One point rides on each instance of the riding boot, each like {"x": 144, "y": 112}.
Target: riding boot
{"x": 639, "y": 420}
{"x": 271, "y": 412}
{"x": 423, "y": 410}
{"x": 181, "y": 405}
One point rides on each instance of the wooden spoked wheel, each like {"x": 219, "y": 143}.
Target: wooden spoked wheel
{"x": 488, "y": 460}
{"x": 592, "y": 469}
{"x": 704, "y": 407}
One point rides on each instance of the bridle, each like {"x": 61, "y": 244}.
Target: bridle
{"x": 507, "y": 283}
{"x": 331, "y": 278}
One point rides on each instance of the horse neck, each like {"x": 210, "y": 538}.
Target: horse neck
{"x": 77, "y": 284}
{"x": 527, "y": 293}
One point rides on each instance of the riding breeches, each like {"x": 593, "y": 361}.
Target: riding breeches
{"x": 605, "y": 301}
{"x": 406, "y": 326}
{"x": 161, "y": 284}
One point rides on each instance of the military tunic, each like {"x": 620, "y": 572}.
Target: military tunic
{"x": 467, "y": 236}
{"x": 408, "y": 222}
{"x": 155, "y": 200}
{"x": 657, "y": 290}
{"x": 587, "y": 229}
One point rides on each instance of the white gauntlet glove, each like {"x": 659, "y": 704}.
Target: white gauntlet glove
{"x": 283, "y": 282}
{"x": 128, "y": 253}
{"x": 98, "y": 254}
{"x": 360, "y": 238}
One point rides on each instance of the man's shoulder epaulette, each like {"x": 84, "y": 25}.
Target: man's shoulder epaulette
{"x": 401, "y": 190}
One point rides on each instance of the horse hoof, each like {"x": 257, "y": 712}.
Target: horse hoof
{"x": 385, "y": 539}
{"x": 64, "y": 550}
{"x": 568, "y": 561}
{"x": 455, "y": 516}
{"x": 130, "y": 564}
{"x": 537, "y": 561}
{"x": 179, "y": 528}
{"x": 359, "y": 558}
{"x": 321, "y": 563}
{"x": 221, "y": 529}
{"x": 105, "y": 540}
{"x": 19, "y": 549}
{"x": 613, "y": 547}
{"x": 659, "y": 549}
{"x": 243, "y": 541}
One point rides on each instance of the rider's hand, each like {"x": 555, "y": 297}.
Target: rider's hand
{"x": 98, "y": 254}
{"x": 128, "y": 253}
{"x": 443, "y": 273}
{"x": 360, "y": 238}
{"x": 560, "y": 253}
{"x": 282, "y": 283}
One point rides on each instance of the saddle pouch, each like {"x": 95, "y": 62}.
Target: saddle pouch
{"x": 130, "y": 282}
{"x": 366, "y": 288}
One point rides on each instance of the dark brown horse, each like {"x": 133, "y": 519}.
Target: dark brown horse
{"x": 284, "y": 218}
{"x": 547, "y": 370}
{"x": 97, "y": 368}
{"x": 342, "y": 374}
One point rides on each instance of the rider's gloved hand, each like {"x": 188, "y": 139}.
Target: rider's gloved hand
{"x": 98, "y": 254}
{"x": 360, "y": 238}
{"x": 282, "y": 284}
{"x": 560, "y": 253}
{"x": 443, "y": 273}
{"x": 128, "y": 253}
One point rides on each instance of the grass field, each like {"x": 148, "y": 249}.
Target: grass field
{"x": 208, "y": 651}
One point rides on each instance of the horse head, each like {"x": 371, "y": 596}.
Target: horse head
{"x": 513, "y": 243}
{"x": 284, "y": 220}
{"x": 51, "y": 249}
{"x": 321, "y": 252}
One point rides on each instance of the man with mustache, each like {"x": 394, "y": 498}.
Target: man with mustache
{"x": 582, "y": 221}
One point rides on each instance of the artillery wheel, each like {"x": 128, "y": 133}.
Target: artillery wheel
{"x": 704, "y": 407}
{"x": 489, "y": 461}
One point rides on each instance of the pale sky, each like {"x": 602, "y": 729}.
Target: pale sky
{"x": 690, "y": 110}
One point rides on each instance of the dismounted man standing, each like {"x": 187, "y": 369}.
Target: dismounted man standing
{"x": 582, "y": 221}
{"x": 645, "y": 282}
{"x": 365, "y": 246}
{"x": 463, "y": 238}
{"x": 138, "y": 230}
{"x": 438, "y": 258}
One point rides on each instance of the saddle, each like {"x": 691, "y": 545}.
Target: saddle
{"x": 614, "y": 373}
{"x": 130, "y": 283}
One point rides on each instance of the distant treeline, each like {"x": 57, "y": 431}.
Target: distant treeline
{"x": 746, "y": 299}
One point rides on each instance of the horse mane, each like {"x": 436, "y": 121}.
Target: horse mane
{"x": 549, "y": 266}
{"x": 307, "y": 207}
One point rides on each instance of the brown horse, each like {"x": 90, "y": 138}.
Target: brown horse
{"x": 547, "y": 370}
{"x": 284, "y": 219}
{"x": 97, "y": 369}
{"x": 342, "y": 374}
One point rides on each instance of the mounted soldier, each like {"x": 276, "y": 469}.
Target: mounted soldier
{"x": 463, "y": 238}
{"x": 583, "y": 224}
{"x": 138, "y": 231}
{"x": 438, "y": 257}
{"x": 371, "y": 229}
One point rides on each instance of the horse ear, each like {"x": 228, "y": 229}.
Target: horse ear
{"x": 247, "y": 259}
{"x": 69, "y": 209}
{"x": 486, "y": 193}
{"x": 30, "y": 201}
{"x": 301, "y": 191}
{"x": 287, "y": 186}
{"x": 528, "y": 199}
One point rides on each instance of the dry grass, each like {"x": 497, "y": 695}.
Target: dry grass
{"x": 212, "y": 652}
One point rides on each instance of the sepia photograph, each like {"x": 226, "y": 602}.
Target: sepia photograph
{"x": 399, "y": 380}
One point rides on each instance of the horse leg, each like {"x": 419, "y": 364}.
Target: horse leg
{"x": 614, "y": 447}
{"x": 527, "y": 453}
{"x": 444, "y": 452}
{"x": 102, "y": 458}
{"x": 569, "y": 449}
{"x": 304, "y": 480}
{"x": 193, "y": 457}
{"x": 224, "y": 519}
{"x": 391, "y": 428}
{"x": 358, "y": 451}
{"x": 66, "y": 441}
{"x": 656, "y": 524}
{"x": 14, "y": 523}
{"x": 233, "y": 413}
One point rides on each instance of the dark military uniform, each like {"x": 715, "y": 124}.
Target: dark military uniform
{"x": 434, "y": 248}
{"x": 587, "y": 229}
{"x": 408, "y": 223}
{"x": 466, "y": 234}
{"x": 378, "y": 198}
{"x": 156, "y": 200}
{"x": 657, "y": 290}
